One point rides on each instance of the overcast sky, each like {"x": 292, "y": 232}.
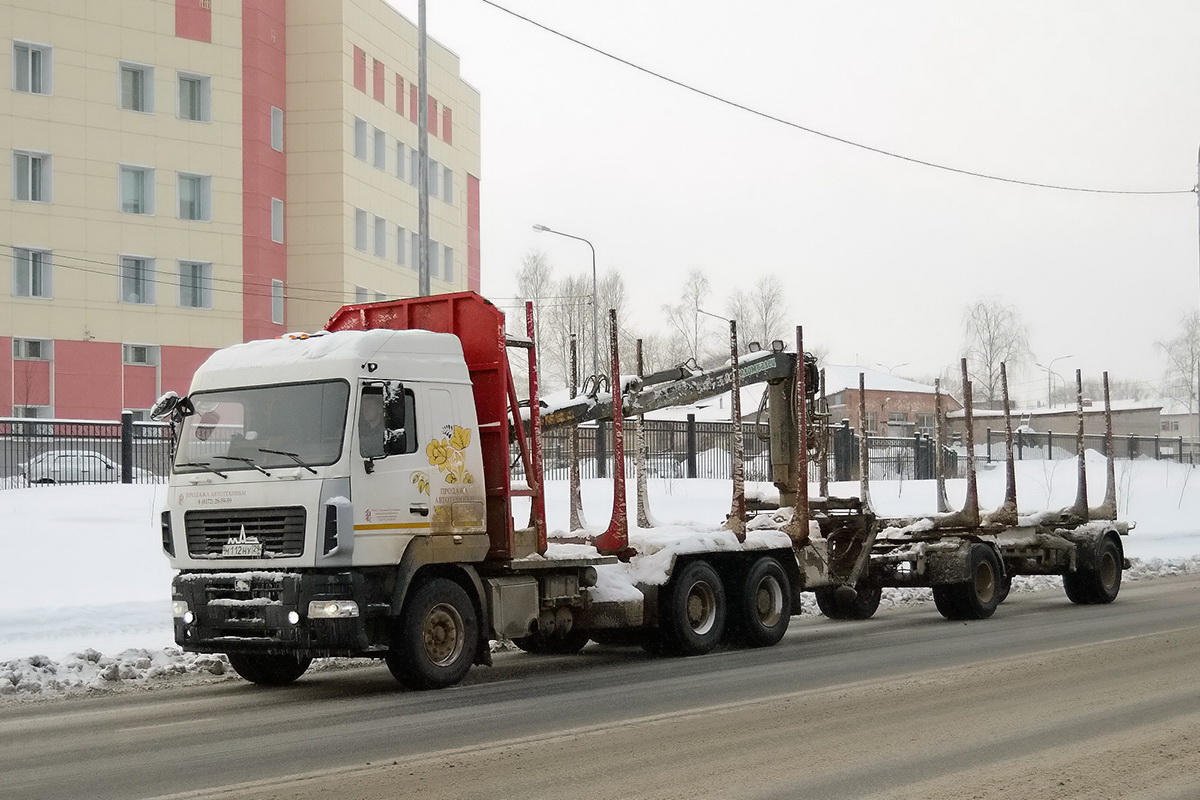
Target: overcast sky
{"x": 880, "y": 256}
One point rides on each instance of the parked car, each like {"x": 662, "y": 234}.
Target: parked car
{"x": 77, "y": 466}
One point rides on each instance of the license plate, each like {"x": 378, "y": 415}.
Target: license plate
{"x": 242, "y": 550}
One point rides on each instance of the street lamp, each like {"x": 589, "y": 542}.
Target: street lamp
{"x": 595, "y": 312}
{"x": 891, "y": 370}
{"x": 1049, "y": 379}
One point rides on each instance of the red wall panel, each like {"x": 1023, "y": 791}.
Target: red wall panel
{"x": 31, "y": 383}
{"x": 473, "y": 244}
{"x": 399, "y": 94}
{"x": 140, "y": 386}
{"x": 414, "y": 107}
{"x": 264, "y": 169}
{"x": 360, "y": 69}
{"x": 447, "y": 125}
{"x": 87, "y": 380}
{"x": 179, "y": 364}
{"x": 379, "y": 80}
{"x": 193, "y": 20}
{"x": 433, "y": 116}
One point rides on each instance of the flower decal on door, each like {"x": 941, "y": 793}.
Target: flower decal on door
{"x": 448, "y": 454}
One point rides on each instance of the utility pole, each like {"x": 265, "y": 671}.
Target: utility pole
{"x": 423, "y": 156}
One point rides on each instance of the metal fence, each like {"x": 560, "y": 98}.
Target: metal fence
{"x": 1033, "y": 446}
{"x": 46, "y": 451}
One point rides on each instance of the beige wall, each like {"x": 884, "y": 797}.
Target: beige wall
{"x": 327, "y": 183}
{"x": 87, "y": 135}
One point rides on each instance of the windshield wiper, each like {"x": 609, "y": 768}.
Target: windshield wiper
{"x": 293, "y": 456}
{"x": 244, "y": 460}
{"x": 204, "y": 465}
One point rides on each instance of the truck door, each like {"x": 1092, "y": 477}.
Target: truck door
{"x": 391, "y": 502}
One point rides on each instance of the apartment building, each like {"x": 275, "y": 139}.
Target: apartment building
{"x": 188, "y": 174}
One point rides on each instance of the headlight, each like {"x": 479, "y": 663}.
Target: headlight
{"x": 332, "y": 609}
{"x": 178, "y": 608}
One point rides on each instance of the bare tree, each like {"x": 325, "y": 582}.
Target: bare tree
{"x": 995, "y": 334}
{"x": 535, "y": 282}
{"x": 569, "y": 313}
{"x": 685, "y": 319}
{"x": 1183, "y": 361}
{"x": 761, "y": 312}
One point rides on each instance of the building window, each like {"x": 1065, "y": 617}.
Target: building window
{"x": 381, "y": 237}
{"x": 195, "y": 197}
{"x": 276, "y": 220}
{"x": 360, "y": 138}
{"x": 401, "y": 245}
{"x": 277, "y": 302}
{"x": 137, "y": 280}
{"x": 380, "y": 149}
{"x": 195, "y": 284}
{"x": 400, "y": 159}
{"x": 448, "y": 263}
{"x": 31, "y": 68}
{"x": 137, "y": 190}
{"x": 195, "y": 97}
{"x": 142, "y": 355}
{"x": 448, "y": 185}
{"x": 414, "y": 239}
{"x": 31, "y": 176}
{"x": 380, "y": 297}
{"x": 871, "y": 427}
{"x": 277, "y": 128}
{"x": 31, "y": 273}
{"x": 32, "y": 350}
{"x": 360, "y": 294}
{"x": 137, "y": 87}
{"x": 926, "y": 423}
{"x": 1170, "y": 425}
{"x": 434, "y": 248}
{"x": 435, "y": 182}
{"x": 33, "y": 412}
{"x": 360, "y": 229}
{"x": 414, "y": 170}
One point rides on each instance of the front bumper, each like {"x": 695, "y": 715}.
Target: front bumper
{"x": 267, "y": 612}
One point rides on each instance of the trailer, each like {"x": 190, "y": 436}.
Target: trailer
{"x": 350, "y": 493}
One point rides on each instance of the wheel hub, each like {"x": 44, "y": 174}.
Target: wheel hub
{"x": 443, "y": 634}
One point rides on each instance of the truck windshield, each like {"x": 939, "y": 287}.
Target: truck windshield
{"x": 264, "y": 427}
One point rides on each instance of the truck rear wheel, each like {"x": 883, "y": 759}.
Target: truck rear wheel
{"x": 1098, "y": 580}
{"x": 976, "y": 597}
{"x": 268, "y": 670}
{"x": 435, "y": 638}
{"x": 763, "y": 604}
{"x": 693, "y": 611}
{"x": 863, "y": 605}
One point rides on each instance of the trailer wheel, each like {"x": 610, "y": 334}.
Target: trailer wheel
{"x": 762, "y": 609}
{"x": 978, "y": 596}
{"x": 435, "y": 638}
{"x": 865, "y": 603}
{"x": 1098, "y": 580}
{"x": 268, "y": 670}
{"x": 693, "y": 611}
{"x": 1003, "y": 587}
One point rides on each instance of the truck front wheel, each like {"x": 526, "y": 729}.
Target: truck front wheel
{"x": 435, "y": 638}
{"x": 268, "y": 670}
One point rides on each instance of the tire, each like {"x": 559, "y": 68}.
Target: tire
{"x": 1096, "y": 579}
{"x": 863, "y": 605}
{"x": 762, "y": 608}
{"x": 1004, "y": 587}
{"x": 693, "y": 611}
{"x": 268, "y": 670}
{"x": 556, "y": 643}
{"x": 435, "y": 638}
{"x": 978, "y": 596}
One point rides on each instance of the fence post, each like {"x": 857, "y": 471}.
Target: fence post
{"x": 1020, "y": 445}
{"x": 1181, "y": 452}
{"x": 126, "y": 447}
{"x": 843, "y": 451}
{"x": 601, "y": 450}
{"x": 988, "y": 437}
{"x": 1157, "y": 448}
{"x": 1133, "y": 448}
{"x": 918, "y": 458}
{"x": 1049, "y": 445}
{"x": 691, "y": 445}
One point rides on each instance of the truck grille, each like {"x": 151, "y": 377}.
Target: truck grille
{"x": 281, "y": 530}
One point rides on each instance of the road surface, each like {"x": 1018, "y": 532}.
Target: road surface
{"x": 1045, "y": 700}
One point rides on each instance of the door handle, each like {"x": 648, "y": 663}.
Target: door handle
{"x": 419, "y": 508}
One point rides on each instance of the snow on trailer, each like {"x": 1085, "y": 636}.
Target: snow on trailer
{"x": 396, "y": 538}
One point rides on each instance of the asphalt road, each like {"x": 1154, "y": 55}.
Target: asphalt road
{"x": 1045, "y": 699}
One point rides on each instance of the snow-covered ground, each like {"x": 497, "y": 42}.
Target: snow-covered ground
{"x": 85, "y": 589}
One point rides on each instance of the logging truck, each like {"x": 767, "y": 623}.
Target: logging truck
{"x": 353, "y": 493}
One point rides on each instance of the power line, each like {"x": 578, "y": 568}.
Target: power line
{"x": 824, "y": 135}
